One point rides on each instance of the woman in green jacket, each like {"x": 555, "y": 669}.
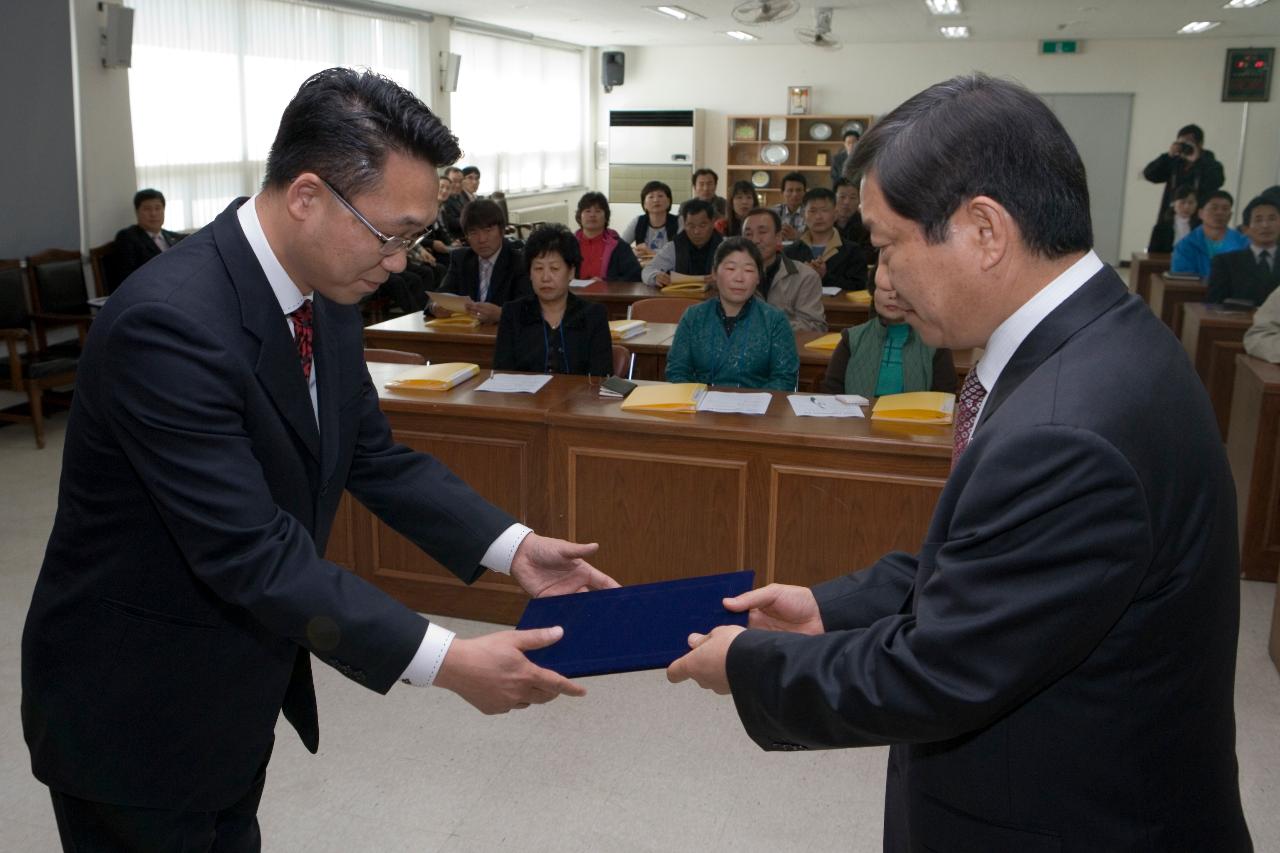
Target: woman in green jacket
{"x": 735, "y": 339}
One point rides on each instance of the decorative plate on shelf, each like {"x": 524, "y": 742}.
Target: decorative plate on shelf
{"x": 775, "y": 155}
{"x": 760, "y": 179}
{"x": 820, "y": 132}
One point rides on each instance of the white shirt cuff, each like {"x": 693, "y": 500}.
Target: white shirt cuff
{"x": 422, "y": 670}
{"x": 503, "y": 550}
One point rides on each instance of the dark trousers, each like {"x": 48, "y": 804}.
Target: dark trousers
{"x": 89, "y": 827}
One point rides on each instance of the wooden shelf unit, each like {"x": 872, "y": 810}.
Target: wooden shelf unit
{"x": 744, "y": 153}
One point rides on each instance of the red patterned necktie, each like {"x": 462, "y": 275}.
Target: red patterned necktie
{"x": 302, "y": 332}
{"x": 971, "y": 396}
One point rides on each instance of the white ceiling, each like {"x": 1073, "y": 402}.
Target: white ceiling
{"x": 627, "y": 22}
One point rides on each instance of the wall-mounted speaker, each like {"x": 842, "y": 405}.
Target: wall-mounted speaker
{"x": 613, "y": 68}
{"x": 449, "y": 66}
{"x": 116, "y": 41}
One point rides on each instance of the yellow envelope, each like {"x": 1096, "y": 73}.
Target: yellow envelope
{"x": 691, "y": 289}
{"x": 918, "y": 407}
{"x": 434, "y": 377}
{"x": 665, "y": 397}
{"x": 450, "y": 302}
{"x": 858, "y": 297}
{"x": 826, "y": 342}
{"x": 454, "y": 322}
{"x": 622, "y": 330}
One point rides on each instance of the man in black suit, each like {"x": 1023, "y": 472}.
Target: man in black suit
{"x": 1055, "y": 666}
{"x": 489, "y": 270}
{"x": 1249, "y": 275}
{"x": 222, "y": 408}
{"x": 141, "y": 242}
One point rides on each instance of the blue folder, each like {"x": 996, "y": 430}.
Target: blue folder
{"x": 646, "y": 626}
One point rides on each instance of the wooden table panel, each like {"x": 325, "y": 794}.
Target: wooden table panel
{"x": 1253, "y": 448}
{"x": 1142, "y": 265}
{"x": 1213, "y": 336}
{"x": 1275, "y": 630}
{"x": 1169, "y": 294}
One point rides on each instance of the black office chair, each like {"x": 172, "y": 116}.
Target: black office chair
{"x": 28, "y": 372}
{"x": 58, "y": 297}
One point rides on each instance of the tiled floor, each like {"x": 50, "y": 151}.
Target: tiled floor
{"x": 635, "y": 765}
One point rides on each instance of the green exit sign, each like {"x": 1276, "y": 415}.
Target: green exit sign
{"x": 1071, "y": 46}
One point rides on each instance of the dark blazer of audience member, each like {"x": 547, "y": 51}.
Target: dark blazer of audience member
{"x": 849, "y": 219}
{"x": 605, "y": 255}
{"x": 791, "y": 209}
{"x": 657, "y": 226}
{"x": 489, "y": 270}
{"x": 1186, "y": 162}
{"x": 1177, "y": 222}
{"x": 704, "y": 184}
{"x": 838, "y": 162}
{"x": 886, "y": 356}
{"x": 743, "y": 199}
{"x": 140, "y": 242}
{"x": 693, "y": 252}
{"x": 552, "y": 330}
{"x": 837, "y": 262}
{"x": 1249, "y": 275}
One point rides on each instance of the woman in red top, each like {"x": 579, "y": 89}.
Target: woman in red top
{"x": 604, "y": 254}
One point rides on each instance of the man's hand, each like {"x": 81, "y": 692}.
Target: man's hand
{"x": 487, "y": 312}
{"x": 705, "y": 664}
{"x": 780, "y": 607}
{"x": 820, "y": 267}
{"x": 788, "y": 233}
{"x": 544, "y": 566}
{"x": 440, "y": 311}
{"x": 492, "y": 673}
{"x": 662, "y": 279}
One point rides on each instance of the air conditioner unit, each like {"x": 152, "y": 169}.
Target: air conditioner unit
{"x": 651, "y": 145}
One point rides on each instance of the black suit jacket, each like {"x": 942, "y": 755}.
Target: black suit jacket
{"x": 134, "y": 247}
{"x": 1055, "y": 666}
{"x": 183, "y": 589}
{"x": 587, "y": 348}
{"x": 1237, "y": 275}
{"x": 507, "y": 281}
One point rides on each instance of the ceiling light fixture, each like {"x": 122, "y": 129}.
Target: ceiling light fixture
{"x": 954, "y": 32}
{"x": 741, "y": 36}
{"x": 677, "y": 12}
{"x": 1197, "y": 27}
{"x": 1243, "y": 4}
{"x": 944, "y": 7}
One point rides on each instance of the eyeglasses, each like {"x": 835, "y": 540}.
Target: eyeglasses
{"x": 390, "y": 245}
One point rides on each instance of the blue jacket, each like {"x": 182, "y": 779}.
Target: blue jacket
{"x": 1192, "y": 253}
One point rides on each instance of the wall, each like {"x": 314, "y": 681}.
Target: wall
{"x": 38, "y": 208}
{"x": 1174, "y": 82}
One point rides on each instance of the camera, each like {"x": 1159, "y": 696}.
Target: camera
{"x": 1186, "y": 149}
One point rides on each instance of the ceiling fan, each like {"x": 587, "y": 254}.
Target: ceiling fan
{"x": 765, "y": 11}
{"x": 820, "y": 34}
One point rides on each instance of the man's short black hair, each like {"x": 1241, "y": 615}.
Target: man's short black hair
{"x": 1195, "y": 132}
{"x": 1260, "y": 201}
{"x": 451, "y": 171}
{"x": 343, "y": 123}
{"x": 470, "y": 170}
{"x": 854, "y": 132}
{"x": 700, "y": 172}
{"x": 656, "y": 186}
{"x": 146, "y": 195}
{"x": 697, "y": 205}
{"x": 844, "y": 182}
{"x": 977, "y": 135}
{"x": 820, "y": 194}
{"x": 796, "y": 177}
{"x": 552, "y": 239}
{"x": 482, "y": 213}
{"x": 1183, "y": 191}
{"x": 729, "y": 245}
{"x": 765, "y": 211}
{"x": 593, "y": 199}
{"x": 1219, "y": 194}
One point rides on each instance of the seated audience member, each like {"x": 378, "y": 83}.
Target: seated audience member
{"x": 849, "y": 218}
{"x": 1194, "y": 252}
{"x": 451, "y": 210}
{"x": 605, "y": 255}
{"x": 1263, "y": 338}
{"x": 693, "y": 251}
{"x": 791, "y": 210}
{"x": 851, "y": 138}
{"x": 790, "y": 285}
{"x": 471, "y": 183}
{"x": 657, "y": 226}
{"x": 742, "y": 200}
{"x": 735, "y": 339}
{"x": 142, "y": 241}
{"x": 837, "y": 263}
{"x": 489, "y": 270}
{"x": 552, "y": 330}
{"x": 1187, "y": 163}
{"x": 1249, "y": 275}
{"x": 1177, "y": 222}
{"x": 705, "y": 182}
{"x": 886, "y": 356}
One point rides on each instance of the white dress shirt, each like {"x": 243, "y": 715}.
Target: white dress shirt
{"x": 426, "y": 662}
{"x": 1010, "y": 334}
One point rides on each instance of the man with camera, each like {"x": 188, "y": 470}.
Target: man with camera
{"x": 1186, "y": 163}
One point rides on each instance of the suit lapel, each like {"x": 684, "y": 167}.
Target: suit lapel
{"x": 277, "y": 368}
{"x": 1099, "y": 294}
{"x": 327, "y": 392}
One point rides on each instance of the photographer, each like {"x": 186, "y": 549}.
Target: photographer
{"x": 1186, "y": 163}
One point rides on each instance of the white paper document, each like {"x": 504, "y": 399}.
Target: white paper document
{"x": 581, "y": 282}
{"x": 734, "y": 404}
{"x": 512, "y": 383}
{"x": 830, "y": 291}
{"x": 827, "y": 405}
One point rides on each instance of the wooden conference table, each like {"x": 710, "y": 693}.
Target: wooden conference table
{"x": 1213, "y": 336}
{"x": 1141, "y": 267}
{"x": 799, "y": 500}
{"x": 1168, "y": 295}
